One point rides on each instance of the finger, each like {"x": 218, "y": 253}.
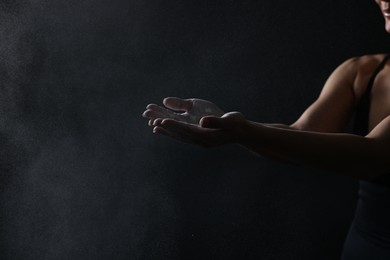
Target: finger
{"x": 145, "y": 114}
{"x": 183, "y": 130}
{"x": 178, "y": 125}
{"x": 157, "y": 121}
{"x": 172, "y": 134}
{"x": 153, "y": 114}
{"x": 191, "y": 133}
{"x": 160, "y": 130}
{"x": 178, "y": 104}
{"x": 156, "y": 112}
{"x": 212, "y": 122}
{"x": 155, "y": 109}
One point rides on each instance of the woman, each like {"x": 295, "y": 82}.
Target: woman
{"x": 316, "y": 139}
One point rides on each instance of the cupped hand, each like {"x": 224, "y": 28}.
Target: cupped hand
{"x": 211, "y": 131}
{"x": 183, "y": 110}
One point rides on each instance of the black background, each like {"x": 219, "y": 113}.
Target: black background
{"x": 83, "y": 177}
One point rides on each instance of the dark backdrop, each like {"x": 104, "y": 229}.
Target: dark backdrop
{"x": 83, "y": 177}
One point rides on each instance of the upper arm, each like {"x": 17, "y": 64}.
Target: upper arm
{"x": 334, "y": 106}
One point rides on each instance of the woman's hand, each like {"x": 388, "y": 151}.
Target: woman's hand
{"x": 195, "y": 121}
{"x": 183, "y": 110}
{"x": 211, "y": 131}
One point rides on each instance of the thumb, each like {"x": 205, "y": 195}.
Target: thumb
{"x": 212, "y": 122}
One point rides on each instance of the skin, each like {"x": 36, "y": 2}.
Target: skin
{"x": 385, "y": 8}
{"x": 316, "y": 139}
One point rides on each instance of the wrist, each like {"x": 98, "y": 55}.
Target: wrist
{"x": 251, "y": 132}
{"x": 242, "y": 134}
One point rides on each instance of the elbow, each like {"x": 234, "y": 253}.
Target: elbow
{"x": 367, "y": 168}
{"x": 374, "y": 165}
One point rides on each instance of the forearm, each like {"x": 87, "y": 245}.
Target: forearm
{"x": 345, "y": 154}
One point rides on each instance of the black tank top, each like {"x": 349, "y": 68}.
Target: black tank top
{"x": 362, "y": 114}
{"x": 369, "y": 236}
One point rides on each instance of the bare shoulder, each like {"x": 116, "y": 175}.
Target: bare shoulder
{"x": 342, "y": 91}
{"x": 353, "y": 73}
{"x": 363, "y": 64}
{"x": 362, "y": 67}
{"x": 369, "y": 61}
